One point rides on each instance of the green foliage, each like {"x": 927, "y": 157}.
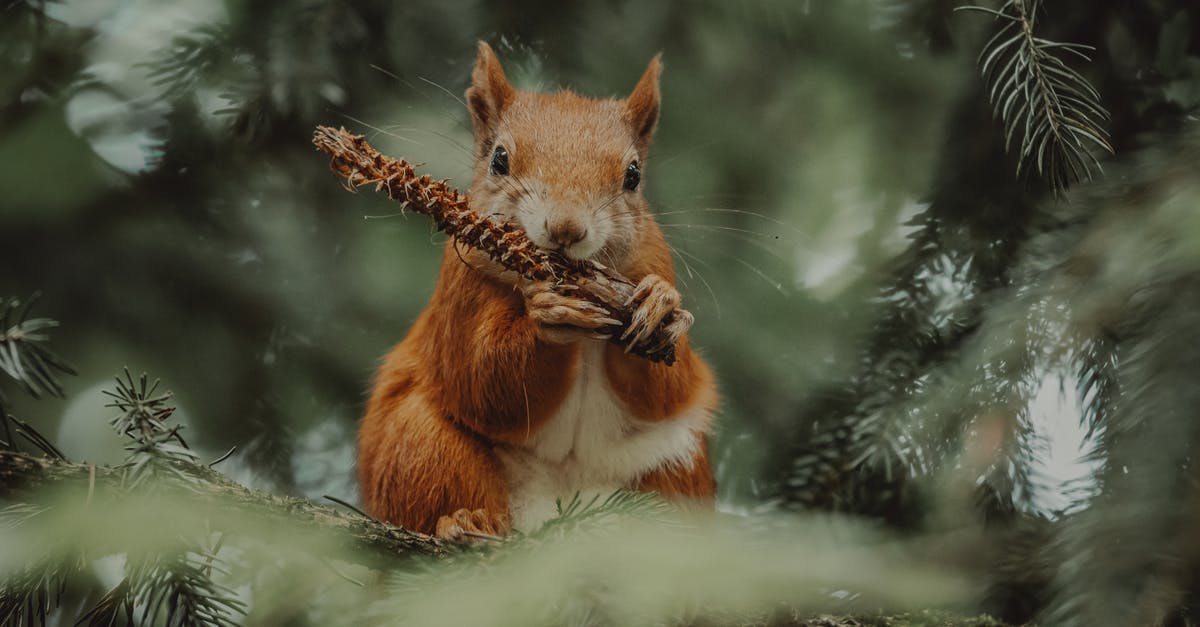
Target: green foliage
{"x": 155, "y": 447}
{"x": 31, "y": 594}
{"x": 26, "y": 359}
{"x": 190, "y": 61}
{"x": 1002, "y": 287}
{"x": 24, "y": 356}
{"x": 175, "y": 585}
{"x": 1050, "y": 108}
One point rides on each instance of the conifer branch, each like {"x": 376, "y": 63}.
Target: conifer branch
{"x": 154, "y": 448}
{"x": 26, "y": 359}
{"x": 359, "y": 164}
{"x": 1048, "y": 106}
{"x": 22, "y": 474}
{"x": 29, "y": 595}
{"x": 173, "y": 586}
{"x": 23, "y": 354}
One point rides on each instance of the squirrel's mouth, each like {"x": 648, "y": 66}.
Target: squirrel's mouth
{"x": 577, "y": 252}
{"x": 583, "y": 249}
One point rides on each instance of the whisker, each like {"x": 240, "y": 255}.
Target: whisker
{"x": 777, "y": 285}
{"x": 731, "y": 196}
{"x": 768, "y": 280}
{"x": 458, "y": 120}
{"x": 669, "y": 157}
{"x": 612, "y": 261}
{"x": 446, "y": 91}
{"x": 758, "y": 241}
{"x": 514, "y": 186}
{"x": 450, "y": 140}
{"x": 683, "y": 255}
{"x": 608, "y": 203}
{"x": 377, "y": 129}
{"x": 754, "y": 214}
{"x": 718, "y": 227}
{"x": 520, "y": 182}
{"x": 387, "y": 73}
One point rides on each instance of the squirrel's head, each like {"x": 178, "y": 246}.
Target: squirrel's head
{"x": 565, "y": 168}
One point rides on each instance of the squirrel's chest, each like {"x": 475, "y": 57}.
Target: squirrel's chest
{"x": 591, "y": 446}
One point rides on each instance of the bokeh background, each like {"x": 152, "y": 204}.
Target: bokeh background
{"x": 904, "y": 326}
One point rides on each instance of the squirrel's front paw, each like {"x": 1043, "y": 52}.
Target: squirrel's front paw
{"x": 466, "y": 524}
{"x": 561, "y": 318}
{"x": 655, "y": 299}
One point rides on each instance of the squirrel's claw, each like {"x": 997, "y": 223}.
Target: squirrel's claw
{"x": 467, "y": 525}
{"x": 655, "y": 298}
{"x": 562, "y": 319}
{"x": 674, "y": 330}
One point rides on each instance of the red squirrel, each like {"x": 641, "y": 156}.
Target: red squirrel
{"x": 504, "y": 396}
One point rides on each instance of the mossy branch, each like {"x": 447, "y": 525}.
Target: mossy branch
{"x": 359, "y": 164}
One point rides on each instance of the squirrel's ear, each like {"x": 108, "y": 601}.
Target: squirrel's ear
{"x": 489, "y": 92}
{"x": 641, "y": 108}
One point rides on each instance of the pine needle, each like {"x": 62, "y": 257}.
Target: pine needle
{"x": 1048, "y": 108}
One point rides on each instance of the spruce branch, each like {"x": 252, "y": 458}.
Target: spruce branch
{"x": 154, "y": 447}
{"x": 16, "y": 427}
{"x": 179, "y": 587}
{"x": 25, "y": 358}
{"x": 113, "y": 609}
{"x": 1047, "y": 105}
{"x": 28, "y": 596}
{"x": 352, "y": 158}
{"x": 599, "y": 512}
{"x": 23, "y": 354}
{"x": 23, "y": 476}
{"x": 176, "y": 585}
{"x": 190, "y": 58}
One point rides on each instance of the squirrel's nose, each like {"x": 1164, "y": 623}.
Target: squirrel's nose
{"x": 565, "y": 232}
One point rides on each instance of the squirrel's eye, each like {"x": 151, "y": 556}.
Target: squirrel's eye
{"x": 500, "y": 161}
{"x": 633, "y": 176}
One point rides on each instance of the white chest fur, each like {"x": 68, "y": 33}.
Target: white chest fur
{"x": 592, "y": 446}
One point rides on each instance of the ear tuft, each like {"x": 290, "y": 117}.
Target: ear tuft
{"x": 641, "y": 108}
{"x": 489, "y": 93}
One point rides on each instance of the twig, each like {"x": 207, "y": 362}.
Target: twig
{"x": 36, "y": 438}
{"x": 224, "y": 457}
{"x": 350, "y": 507}
{"x": 359, "y": 164}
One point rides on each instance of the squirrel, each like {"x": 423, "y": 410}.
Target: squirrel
{"x": 504, "y": 396}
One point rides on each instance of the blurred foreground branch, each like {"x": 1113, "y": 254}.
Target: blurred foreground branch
{"x": 360, "y": 164}
{"x": 377, "y": 542}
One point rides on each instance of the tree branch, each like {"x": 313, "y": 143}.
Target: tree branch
{"x": 378, "y": 542}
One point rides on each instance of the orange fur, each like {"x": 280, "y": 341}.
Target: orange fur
{"x": 474, "y": 372}
{"x": 654, "y": 391}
